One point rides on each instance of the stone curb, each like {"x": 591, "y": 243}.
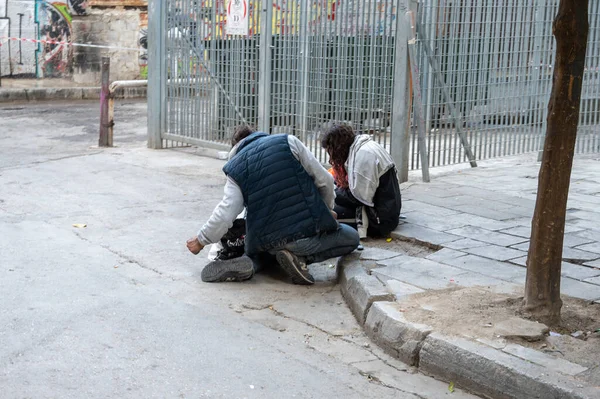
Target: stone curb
{"x": 398, "y": 337}
{"x": 475, "y": 367}
{"x": 67, "y": 93}
{"x": 360, "y": 289}
{"x": 490, "y": 372}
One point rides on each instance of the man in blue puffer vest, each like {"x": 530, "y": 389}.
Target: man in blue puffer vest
{"x": 288, "y": 198}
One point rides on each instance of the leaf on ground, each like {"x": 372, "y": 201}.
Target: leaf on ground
{"x": 388, "y": 239}
{"x": 79, "y": 225}
{"x": 451, "y": 387}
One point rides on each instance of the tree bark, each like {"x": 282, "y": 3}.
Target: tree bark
{"x": 542, "y": 287}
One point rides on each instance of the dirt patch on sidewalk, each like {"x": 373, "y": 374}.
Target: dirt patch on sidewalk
{"x": 475, "y": 312}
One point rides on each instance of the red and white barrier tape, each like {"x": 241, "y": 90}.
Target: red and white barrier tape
{"x": 5, "y": 39}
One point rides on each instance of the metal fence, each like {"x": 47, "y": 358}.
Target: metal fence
{"x": 496, "y": 59}
{"x": 305, "y": 65}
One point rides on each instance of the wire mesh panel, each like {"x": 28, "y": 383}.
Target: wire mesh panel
{"x": 212, "y": 77}
{"x": 332, "y": 62}
{"x": 485, "y": 71}
{"x": 588, "y": 135}
{"x": 495, "y": 59}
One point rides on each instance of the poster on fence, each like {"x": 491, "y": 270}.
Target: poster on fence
{"x": 237, "y": 17}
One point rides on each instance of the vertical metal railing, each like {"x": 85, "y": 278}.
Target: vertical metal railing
{"x": 485, "y": 78}
{"x": 496, "y": 59}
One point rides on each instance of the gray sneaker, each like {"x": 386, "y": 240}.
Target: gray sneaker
{"x": 294, "y": 267}
{"x": 237, "y": 269}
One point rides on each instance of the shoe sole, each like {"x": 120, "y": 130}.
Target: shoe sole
{"x": 288, "y": 264}
{"x": 238, "y": 269}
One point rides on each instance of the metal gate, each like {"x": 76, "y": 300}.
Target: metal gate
{"x": 302, "y": 66}
{"x": 307, "y": 64}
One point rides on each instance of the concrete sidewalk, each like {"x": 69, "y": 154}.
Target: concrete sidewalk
{"x": 481, "y": 218}
{"x": 25, "y": 90}
{"x": 478, "y": 221}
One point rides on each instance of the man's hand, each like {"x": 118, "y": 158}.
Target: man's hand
{"x": 334, "y": 214}
{"x": 194, "y": 245}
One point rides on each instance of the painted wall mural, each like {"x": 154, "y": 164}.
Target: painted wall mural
{"x": 37, "y": 21}
{"x": 42, "y": 30}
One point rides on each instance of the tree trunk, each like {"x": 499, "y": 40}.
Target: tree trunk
{"x": 542, "y": 287}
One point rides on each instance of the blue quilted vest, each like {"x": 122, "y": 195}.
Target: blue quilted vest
{"x": 282, "y": 202}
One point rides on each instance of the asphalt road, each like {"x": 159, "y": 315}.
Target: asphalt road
{"x": 116, "y": 309}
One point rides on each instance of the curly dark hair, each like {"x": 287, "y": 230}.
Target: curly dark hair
{"x": 240, "y": 133}
{"x": 337, "y": 142}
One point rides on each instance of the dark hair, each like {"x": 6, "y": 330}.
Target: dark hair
{"x": 337, "y": 142}
{"x": 240, "y": 133}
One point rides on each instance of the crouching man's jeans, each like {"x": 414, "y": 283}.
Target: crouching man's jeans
{"x": 314, "y": 249}
{"x": 324, "y": 246}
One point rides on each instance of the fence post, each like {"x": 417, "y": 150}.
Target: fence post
{"x": 156, "y": 72}
{"x": 104, "y": 140}
{"x": 303, "y": 68}
{"x": 401, "y": 102}
{"x": 265, "y": 54}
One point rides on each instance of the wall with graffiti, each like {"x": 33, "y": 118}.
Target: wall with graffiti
{"x": 36, "y": 37}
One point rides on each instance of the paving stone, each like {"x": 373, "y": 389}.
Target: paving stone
{"x": 551, "y": 362}
{"x": 578, "y": 272}
{"x": 594, "y": 263}
{"x": 522, "y": 261}
{"x": 402, "y": 339}
{"x": 516, "y": 327}
{"x": 421, "y": 190}
{"x": 495, "y": 252}
{"x": 370, "y": 253}
{"x": 591, "y": 234}
{"x": 593, "y": 280}
{"x": 586, "y": 225}
{"x": 568, "y": 252}
{"x": 436, "y": 222}
{"x": 494, "y": 225}
{"x": 423, "y": 234}
{"x": 400, "y": 289}
{"x": 572, "y": 240}
{"x": 398, "y": 260}
{"x": 490, "y": 372}
{"x": 428, "y": 209}
{"x": 573, "y": 253}
{"x": 488, "y": 236}
{"x": 486, "y": 212}
{"x": 464, "y": 243}
{"x": 419, "y": 265}
{"x": 579, "y": 289}
{"x": 445, "y": 253}
{"x": 522, "y": 246}
{"x": 448, "y": 202}
{"x": 425, "y": 279}
{"x": 592, "y": 247}
{"x": 569, "y": 240}
{"x": 488, "y": 267}
{"x": 519, "y": 231}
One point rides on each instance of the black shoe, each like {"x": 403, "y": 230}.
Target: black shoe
{"x": 238, "y": 269}
{"x": 294, "y": 267}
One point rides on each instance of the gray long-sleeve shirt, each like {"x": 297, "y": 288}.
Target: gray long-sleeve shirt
{"x": 232, "y": 203}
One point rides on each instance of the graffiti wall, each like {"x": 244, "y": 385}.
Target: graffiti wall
{"x": 35, "y": 36}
